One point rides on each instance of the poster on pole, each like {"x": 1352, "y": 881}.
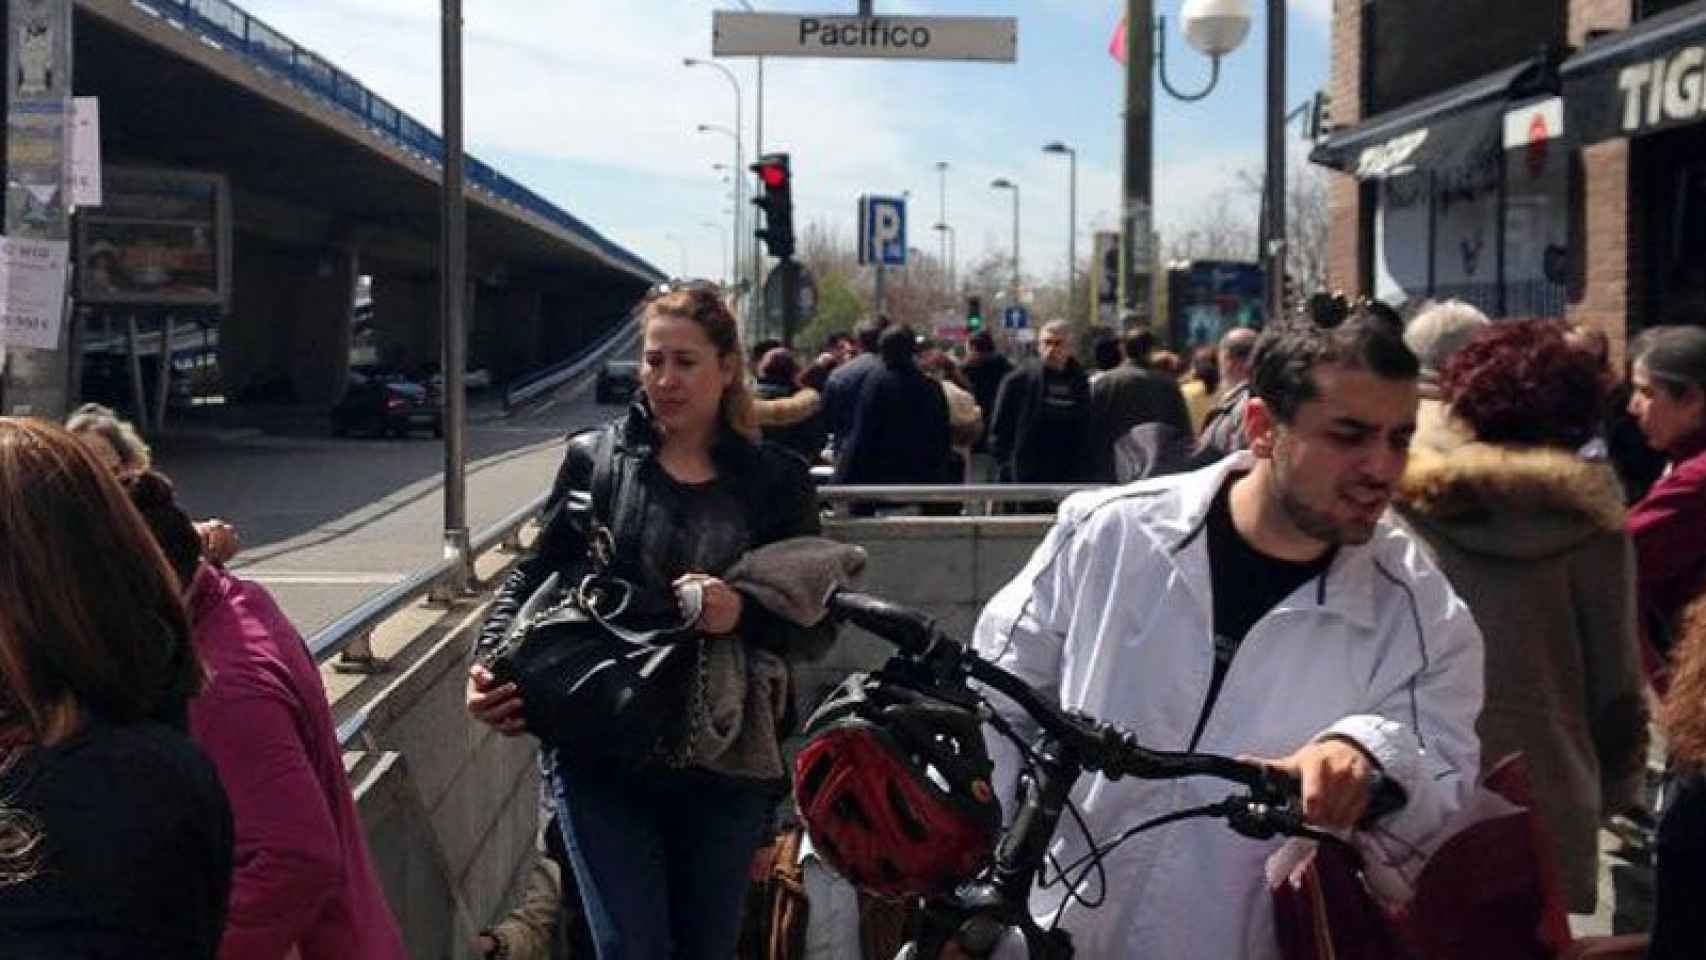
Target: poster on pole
{"x": 32, "y": 291}
{"x": 85, "y": 132}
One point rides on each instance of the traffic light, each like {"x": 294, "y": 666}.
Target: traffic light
{"x": 1320, "y": 120}
{"x": 777, "y": 202}
{"x": 974, "y": 314}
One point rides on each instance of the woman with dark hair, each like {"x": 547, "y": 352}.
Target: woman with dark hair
{"x": 304, "y": 879}
{"x": 96, "y": 667}
{"x": 660, "y": 850}
{"x": 1531, "y": 536}
{"x": 790, "y": 412}
{"x": 1668, "y": 526}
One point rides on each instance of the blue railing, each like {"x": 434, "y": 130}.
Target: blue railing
{"x": 230, "y": 28}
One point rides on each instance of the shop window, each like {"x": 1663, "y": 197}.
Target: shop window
{"x": 1674, "y": 255}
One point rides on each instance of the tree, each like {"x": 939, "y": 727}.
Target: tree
{"x": 1222, "y": 228}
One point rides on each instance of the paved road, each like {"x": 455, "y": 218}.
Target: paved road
{"x": 326, "y": 522}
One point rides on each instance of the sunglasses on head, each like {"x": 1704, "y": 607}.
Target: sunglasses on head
{"x": 683, "y": 285}
{"x": 1329, "y": 311}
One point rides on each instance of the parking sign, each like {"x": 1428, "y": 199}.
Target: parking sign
{"x": 882, "y": 231}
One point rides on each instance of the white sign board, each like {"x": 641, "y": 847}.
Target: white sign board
{"x": 738, "y": 34}
{"x": 32, "y": 291}
{"x": 1534, "y": 123}
{"x": 85, "y": 133}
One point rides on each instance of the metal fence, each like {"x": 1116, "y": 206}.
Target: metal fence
{"x": 228, "y": 27}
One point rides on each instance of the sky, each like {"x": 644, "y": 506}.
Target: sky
{"x": 587, "y": 103}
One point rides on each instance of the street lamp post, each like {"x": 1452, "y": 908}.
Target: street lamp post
{"x": 740, "y": 179}
{"x": 1002, "y": 183}
{"x": 739, "y": 182}
{"x": 1274, "y": 248}
{"x": 453, "y": 292}
{"x": 757, "y": 151}
{"x": 947, "y": 233}
{"x": 1215, "y": 28}
{"x": 942, "y": 174}
{"x": 1071, "y": 220}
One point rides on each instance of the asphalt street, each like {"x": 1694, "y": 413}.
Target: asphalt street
{"x": 326, "y": 522}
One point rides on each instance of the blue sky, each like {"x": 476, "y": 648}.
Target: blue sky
{"x": 587, "y": 103}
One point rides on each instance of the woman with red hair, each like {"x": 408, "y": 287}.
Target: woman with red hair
{"x": 1531, "y": 535}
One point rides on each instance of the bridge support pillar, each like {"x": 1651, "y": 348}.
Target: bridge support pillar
{"x": 288, "y": 337}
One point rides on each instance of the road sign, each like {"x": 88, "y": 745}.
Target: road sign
{"x": 806, "y": 295}
{"x": 737, "y": 34}
{"x": 882, "y": 231}
{"x": 1015, "y": 317}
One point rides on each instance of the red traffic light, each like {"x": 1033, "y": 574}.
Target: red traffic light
{"x": 773, "y": 175}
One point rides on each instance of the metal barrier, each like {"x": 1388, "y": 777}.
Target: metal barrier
{"x": 543, "y": 382}
{"x": 225, "y": 26}
{"x": 351, "y": 635}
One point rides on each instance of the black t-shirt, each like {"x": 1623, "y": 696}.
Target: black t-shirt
{"x": 1246, "y": 583}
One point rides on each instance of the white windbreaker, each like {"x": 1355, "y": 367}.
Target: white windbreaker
{"x": 1114, "y": 615}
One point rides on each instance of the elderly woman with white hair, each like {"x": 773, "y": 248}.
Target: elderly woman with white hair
{"x": 1438, "y": 330}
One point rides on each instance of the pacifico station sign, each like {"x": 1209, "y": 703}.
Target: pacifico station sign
{"x": 739, "y": 34}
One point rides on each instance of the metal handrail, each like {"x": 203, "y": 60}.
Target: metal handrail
{"x": 952, "y": 493}
{"x": 225, "y": 26}
{"x": 547, "y": 380}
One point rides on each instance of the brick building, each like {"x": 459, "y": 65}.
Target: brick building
{"x": 1540, "y": 158}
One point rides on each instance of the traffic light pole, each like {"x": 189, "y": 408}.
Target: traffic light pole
{"x": 790, "y": 300}
{"x": 1274, "y": 244}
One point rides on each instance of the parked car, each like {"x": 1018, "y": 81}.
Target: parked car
{"x": 382, "y": 403}
{"x": 617, "y": 382}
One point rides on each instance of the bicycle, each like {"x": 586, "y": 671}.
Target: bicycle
{"x": 984, "y": 910}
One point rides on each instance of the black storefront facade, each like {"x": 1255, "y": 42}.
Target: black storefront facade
{"x": 1569, "y": 182}
{"x": 1647, "y": 84}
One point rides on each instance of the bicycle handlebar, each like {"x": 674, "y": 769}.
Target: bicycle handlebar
{"x": 1099, "y": 747}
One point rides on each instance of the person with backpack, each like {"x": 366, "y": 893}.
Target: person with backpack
{"x": 659, "y": 843}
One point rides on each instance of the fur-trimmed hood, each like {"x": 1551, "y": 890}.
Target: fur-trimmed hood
{"x": 1519, "y": 502}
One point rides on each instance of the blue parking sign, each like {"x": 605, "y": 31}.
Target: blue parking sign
{"x": 882, "y": 231}
{"x": 1015, "y": 317}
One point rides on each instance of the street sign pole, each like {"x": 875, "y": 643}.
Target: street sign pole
{"x": 37, "y": 381}
{"x": 878, "y": 299}
{"x": 452, "y": 278}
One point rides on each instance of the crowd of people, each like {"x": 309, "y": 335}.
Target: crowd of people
{"x": 170, "y": 781}
{"x": 1381, "y": 553}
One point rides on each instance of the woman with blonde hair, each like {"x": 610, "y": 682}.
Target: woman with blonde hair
{"x": 660, "y": 849}
{"x": 132, "y": 856}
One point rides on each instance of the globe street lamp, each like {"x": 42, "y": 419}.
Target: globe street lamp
{"x": 1002, "y": 183}
{"x": 739, "y": 182}
{"x": 1057, "y": 147}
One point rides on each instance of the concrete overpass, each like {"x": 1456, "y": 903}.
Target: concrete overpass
{"x": 328, "y": 182}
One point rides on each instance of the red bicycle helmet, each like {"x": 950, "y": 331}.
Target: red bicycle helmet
{"x": 893, "y": 786}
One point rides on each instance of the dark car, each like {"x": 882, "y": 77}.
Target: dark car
{"x": 618, "y": 381}
{"x": 382, "y": 403}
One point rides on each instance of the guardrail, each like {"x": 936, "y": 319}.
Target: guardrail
{"x": 544, "y": 381}
{"x": 351, "y": 635}
{"x": 225, "y": 26}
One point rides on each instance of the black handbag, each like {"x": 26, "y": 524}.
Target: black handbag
{"x": 610, "y": 674}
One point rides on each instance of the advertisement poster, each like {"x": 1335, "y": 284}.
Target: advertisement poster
{"x": 160, "y": 237}
{"x": 32, "y": 291}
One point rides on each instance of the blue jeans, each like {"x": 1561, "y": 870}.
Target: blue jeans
{"x": 662, "y": 858}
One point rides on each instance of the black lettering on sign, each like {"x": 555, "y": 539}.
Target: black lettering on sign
{"x": 808, "y": 28}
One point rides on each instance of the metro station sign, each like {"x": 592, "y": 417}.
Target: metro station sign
{"x": 739, "y": 34}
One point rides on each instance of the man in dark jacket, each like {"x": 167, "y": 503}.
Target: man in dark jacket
{"x": 985, "y": 368}
{"x": 1042, "y": 415}
{"x": 899, "y": 431}
{"x": 1223, "y": 432}
{"x": 1127, "y": 396}
{"x": 841, "y": 392}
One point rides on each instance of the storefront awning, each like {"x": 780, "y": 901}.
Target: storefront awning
{"x": 1454, "y": 129}
{"x": 1647, "y": 78}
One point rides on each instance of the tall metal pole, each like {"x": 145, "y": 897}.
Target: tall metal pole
{"x": 1138, "y": 179}
{"x": 942, "y": 241}
{"x": 1072, "y": 234}
{"x": 757, "y": 151}
{"x": 453, "y": 288}
{"x": 1274, "y": 249}
{"x": 1015, "y": 243}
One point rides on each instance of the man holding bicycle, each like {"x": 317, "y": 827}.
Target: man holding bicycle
{"x": 1263, "y": 606}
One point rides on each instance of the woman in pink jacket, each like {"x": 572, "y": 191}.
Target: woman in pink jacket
{"x": 303, "y": 879}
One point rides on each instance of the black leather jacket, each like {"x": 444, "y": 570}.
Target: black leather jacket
{"x": 773, "y": 485}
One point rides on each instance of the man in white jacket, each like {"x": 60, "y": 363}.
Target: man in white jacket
{"x": 1264, "y": 607}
